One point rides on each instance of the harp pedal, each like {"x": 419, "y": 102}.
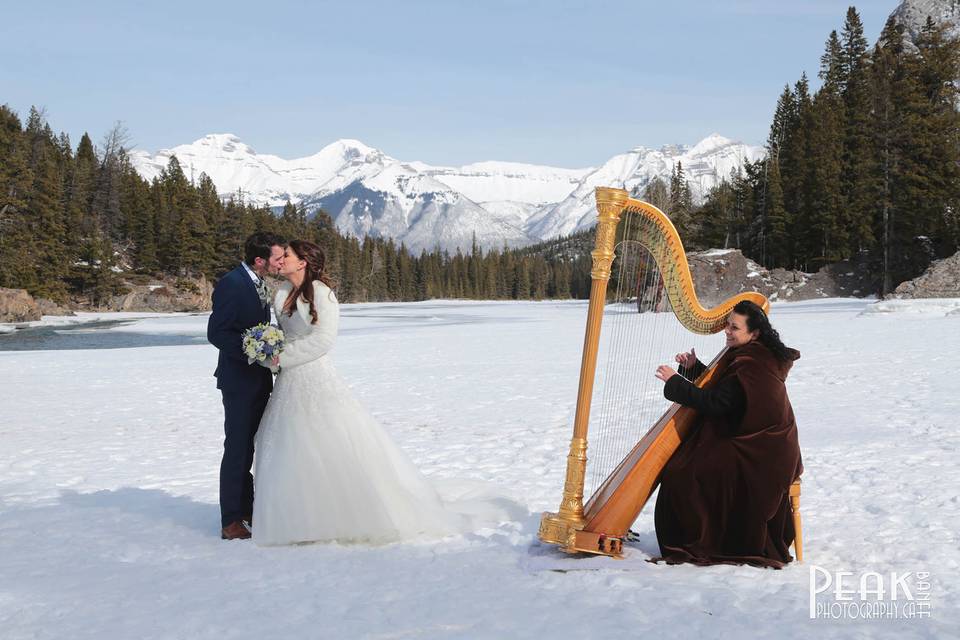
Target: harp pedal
{"x": 591, "y": 542}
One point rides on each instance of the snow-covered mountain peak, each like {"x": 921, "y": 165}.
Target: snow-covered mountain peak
{"x": 227, "y": 142}
{"x": 348, "y": 150}
{"x": 711, "y": 144}
{"x": 366, "y": 191}
{"x": 225, "y": 146}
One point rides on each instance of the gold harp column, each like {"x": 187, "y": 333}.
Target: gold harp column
{"x": 558, "y": 528}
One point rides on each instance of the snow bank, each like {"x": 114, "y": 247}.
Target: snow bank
{"x": 928, "y": 306}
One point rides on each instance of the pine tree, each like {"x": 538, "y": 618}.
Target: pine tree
{"x": 16, "y": 180}
{"x": 782, "y": 120}
{"x": 680, "y": 201}
{"x": 539, "y": 278}
{"x": 45, "y": 207}
{"x": 105, "y": 209}
{"x": 937, "y": 70}
{"x": 186, "y": 238}
{"x": 192, "y": 238}
{"x": 289, "y": 222}
{"x": 748, "y": 229}
{"x": 716, "y": 215}
{"x": 905, "y": 147}
{"x": 137, "y": 203}
{"x": 776, "y": 249}
{"x": 490, "y": 275}
{"x": 507, "y": 273}
{"x": 422, "y": 281}
{"x": 211, "y": 218}
{"x": 796, "y": 164}
{"x": 858, "y": 156}
{"x": 322, "y": 229}
{"x": 562, "y": 279}
{"x": 407, "y": 272}
{"x": 393, "y": 290}
{"x": 475, "y": 272}
{"x": 827, "y": 216}
{"x": 87, "y": 245}
{"x": 777, "y": 218}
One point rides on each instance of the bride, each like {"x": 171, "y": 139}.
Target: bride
{"x": 325, "y": 469}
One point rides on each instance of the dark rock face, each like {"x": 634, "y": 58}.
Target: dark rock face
{"x": 940, "y": 280}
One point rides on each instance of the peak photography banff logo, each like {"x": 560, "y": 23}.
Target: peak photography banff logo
{"x": 869, "y": 595}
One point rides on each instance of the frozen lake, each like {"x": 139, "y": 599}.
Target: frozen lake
{"x": 111, "y": 428}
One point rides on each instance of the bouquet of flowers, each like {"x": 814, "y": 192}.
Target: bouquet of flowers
{"x": 261, "y": 343}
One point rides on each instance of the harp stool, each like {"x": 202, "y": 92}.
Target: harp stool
{"x": 794, "y": 494}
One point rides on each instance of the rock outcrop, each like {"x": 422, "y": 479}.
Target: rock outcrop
{"x": 940, "y": 280}
{"x": 51, "y": 308}
{"x": 719, "y": 274}
{"x": 159, "y": 296}
{"x": 164, "y": 296}
{"x": 16, "y": 305}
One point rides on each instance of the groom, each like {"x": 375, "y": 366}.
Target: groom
{"x": 240, "y": 301}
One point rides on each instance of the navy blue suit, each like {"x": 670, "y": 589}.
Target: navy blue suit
{"x": 245, "y": 388}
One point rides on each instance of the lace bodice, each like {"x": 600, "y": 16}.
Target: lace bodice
{"x": 306, "y": 341}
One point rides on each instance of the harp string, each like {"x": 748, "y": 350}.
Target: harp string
{"x": 640, "y": 331}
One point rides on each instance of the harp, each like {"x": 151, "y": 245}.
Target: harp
{"x": 663, "y": 284}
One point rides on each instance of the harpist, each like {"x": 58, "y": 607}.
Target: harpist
{"x": 723, "y": 494}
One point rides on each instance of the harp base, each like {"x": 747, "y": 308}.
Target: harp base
{"x": 555, "y": 529}
{"x": 571, "y": 537}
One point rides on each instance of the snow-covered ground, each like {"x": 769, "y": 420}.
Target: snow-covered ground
{"x": 108, "y": 486}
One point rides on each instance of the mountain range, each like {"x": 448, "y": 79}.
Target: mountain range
{"x": 366, "y": 191}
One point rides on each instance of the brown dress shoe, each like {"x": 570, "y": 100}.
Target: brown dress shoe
{"x": 235, "y": 531}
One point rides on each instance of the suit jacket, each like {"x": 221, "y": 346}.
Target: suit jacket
{"x": 236, "y": 308}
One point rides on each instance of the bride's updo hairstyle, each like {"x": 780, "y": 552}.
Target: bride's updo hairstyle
{"x": 316, "y": 261}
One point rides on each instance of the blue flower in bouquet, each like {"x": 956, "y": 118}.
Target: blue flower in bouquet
{"x": 262, "y": 342}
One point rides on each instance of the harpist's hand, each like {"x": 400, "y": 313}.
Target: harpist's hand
{"x": 665, "y": 373}
{"x": 687, "y": 360}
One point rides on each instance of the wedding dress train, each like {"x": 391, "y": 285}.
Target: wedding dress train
{"x": 325, "y": 468}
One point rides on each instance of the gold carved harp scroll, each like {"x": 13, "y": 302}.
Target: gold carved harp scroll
{"x": 650, "y": 312}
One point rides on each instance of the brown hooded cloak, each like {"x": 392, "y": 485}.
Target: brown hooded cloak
{"x": 723, "y": 494}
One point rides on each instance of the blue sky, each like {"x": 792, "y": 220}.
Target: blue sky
{"x": 563, "y": 83}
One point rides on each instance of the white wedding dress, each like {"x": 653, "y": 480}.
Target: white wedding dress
{"x": 325, "y": 469}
